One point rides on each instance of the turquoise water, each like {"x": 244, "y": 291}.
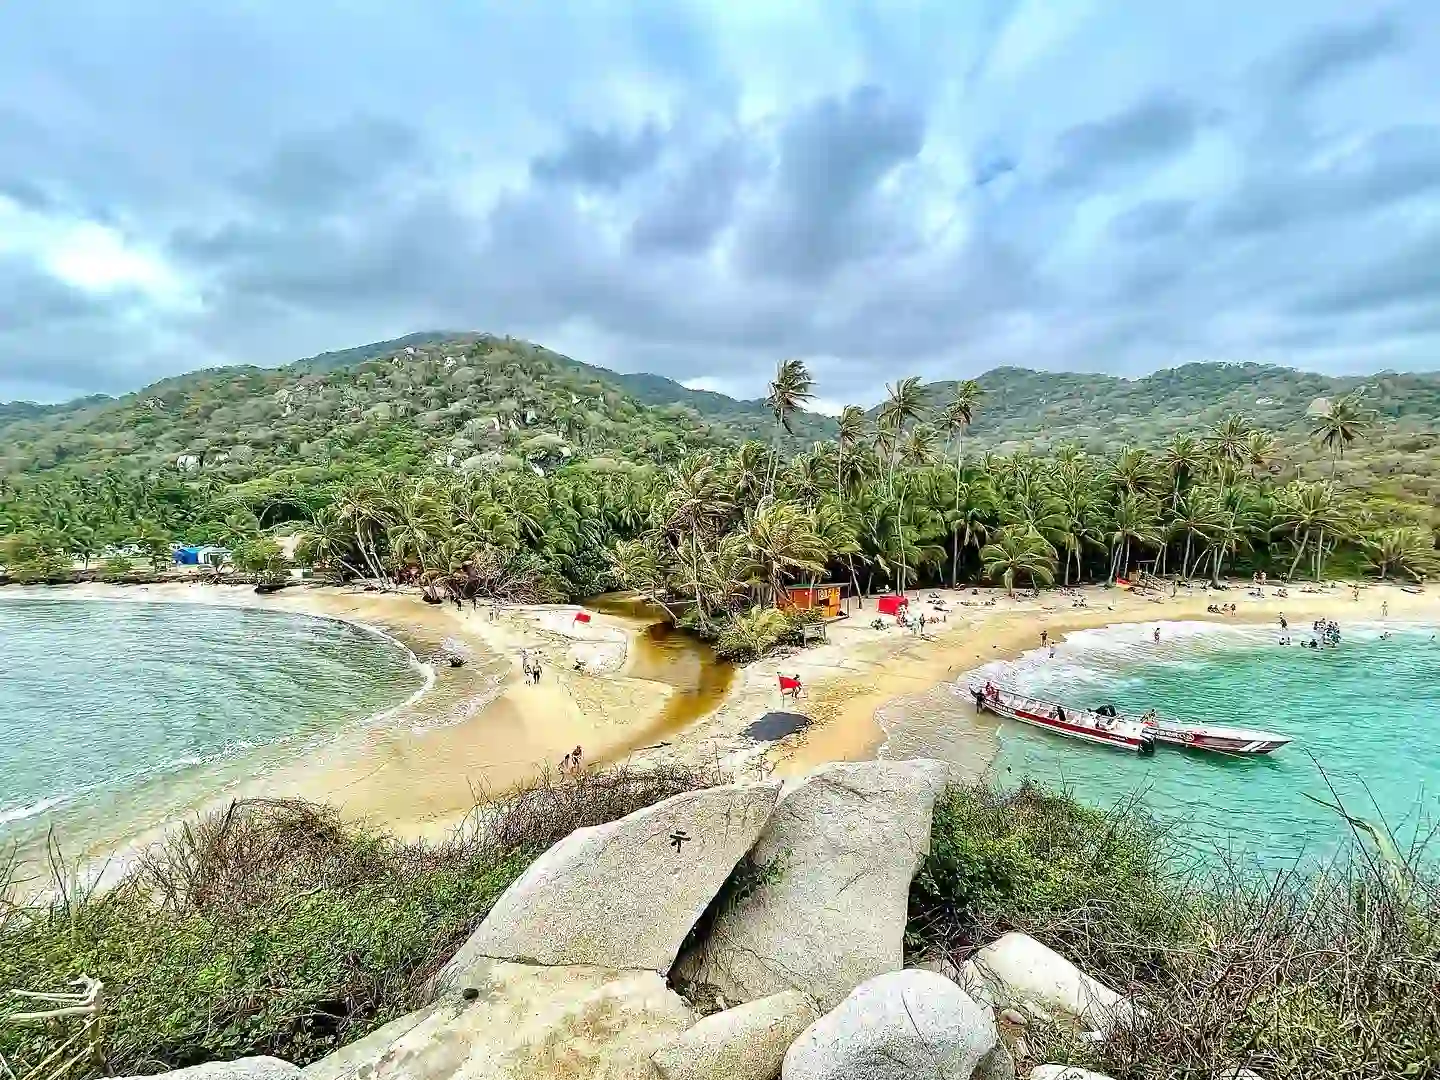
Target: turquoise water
{"x": 1366, "y": 712}
{"x": 107, "y": 708}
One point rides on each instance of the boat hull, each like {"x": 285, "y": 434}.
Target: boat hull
{"x": 1114, "y": 732}
{"x": 1243, "y": 743}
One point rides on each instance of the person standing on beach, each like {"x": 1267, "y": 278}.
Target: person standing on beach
{"x": 1284, "y": 624}
{"x": 1044, "y": 637}
{"x": 1157, "y": 635}
{"x": 538, "y": 668}
{"x": 1385, "y": 609}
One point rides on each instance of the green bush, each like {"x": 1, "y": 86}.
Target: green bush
{"x": 1290, "y": 974}
{"x": 117, "y": 568}
{"x": 760, "y": 631}
{"x": 275, "y": 928}
{"x": 1099, "y": 886}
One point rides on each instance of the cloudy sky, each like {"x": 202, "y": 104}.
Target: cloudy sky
{"x": 881, "y": 187}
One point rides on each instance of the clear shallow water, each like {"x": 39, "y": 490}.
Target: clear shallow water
{"x": 110, "y": 709}
{"x": 1368, "y": 711}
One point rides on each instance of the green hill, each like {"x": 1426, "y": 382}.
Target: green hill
{"x": 482, "y": 400}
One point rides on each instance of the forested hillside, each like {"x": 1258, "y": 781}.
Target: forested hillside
{"x": 475, "y": 402}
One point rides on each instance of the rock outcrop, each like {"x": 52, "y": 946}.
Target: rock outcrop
{"x": 519, "y": 1022}
{"x": 905, "y": 1025}
{"x": 250, "y": 1068}
{"x": 1019, "y": 971}
{"x": 826, "y": 907}
{"x": 622, "y": 895}
{"x": 996, "y": 1065}
{"x": 747, "y": 1042}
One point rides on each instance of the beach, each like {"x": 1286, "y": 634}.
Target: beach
{"x": 480, "y": 728}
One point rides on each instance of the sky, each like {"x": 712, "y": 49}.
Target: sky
{"x": 700, "y": 189}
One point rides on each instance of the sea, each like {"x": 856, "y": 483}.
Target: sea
{"x": 1364, "y": 716}
{"x": 117, "y": 715}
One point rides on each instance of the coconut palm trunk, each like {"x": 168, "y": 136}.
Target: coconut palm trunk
{"x": 1304, "y": 542}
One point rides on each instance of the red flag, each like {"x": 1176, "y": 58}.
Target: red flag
{"x": 582, "y": 616}
{"x": 787, "y": 683}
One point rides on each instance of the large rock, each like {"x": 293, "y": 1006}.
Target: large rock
{"x": 747, "y": 1042}
{"x": 250, "y": 1068}
{"x": 622, "y": 895}
{"x": 996, "y": 1065}
{"x": 825, "y": 905}
{"x": 905, "y": 1025}
{"x": 1018, "y": 969}
{"x": 518, "y": 1022}
{"x": 365, "y": 1051}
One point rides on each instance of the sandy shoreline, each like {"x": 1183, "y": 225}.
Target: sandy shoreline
{"x": 482, "y": 728}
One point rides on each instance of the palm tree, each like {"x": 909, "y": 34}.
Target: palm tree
{"x": 904, "y": 403}
{"x": 1304, "y": 510}
{"x": 1259, "y": 450}
{"x": 1017, "y": 552}
{"x": 1339, "y": 424}
{"x": 1409, "y": 550}
{"x": 851, "y": 431}
{"x": 1193, "y": 516}
{"x": 1183, "y": 458}
{"x": 1229, "y": 440}
{"x": 959, "y": 414}
{"x": 1133, "y": 521}
{"x": 790, "y": 389}
{"x": 918, "y": 447}
{"x": 780, "y": 541}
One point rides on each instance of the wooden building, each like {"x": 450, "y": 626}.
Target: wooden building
{"x": 826, "y": 598}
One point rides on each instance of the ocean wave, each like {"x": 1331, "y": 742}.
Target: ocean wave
{"x": 20, "y": 813}
{"x": 1106, "y": 657}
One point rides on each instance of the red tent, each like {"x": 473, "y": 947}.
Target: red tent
{"x": 891, "y": 604}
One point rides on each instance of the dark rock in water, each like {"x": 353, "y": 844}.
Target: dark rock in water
{"x": 774, "y": 726}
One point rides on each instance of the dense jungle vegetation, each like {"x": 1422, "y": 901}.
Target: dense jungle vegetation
{"x": 488, "y": 466}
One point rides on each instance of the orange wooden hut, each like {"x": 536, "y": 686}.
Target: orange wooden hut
{"x": 826, "y": 598}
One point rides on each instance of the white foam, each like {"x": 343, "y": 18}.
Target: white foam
{"x": 20, "y": 813}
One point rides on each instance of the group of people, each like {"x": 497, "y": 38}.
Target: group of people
{"x": 1221, "y": 609}
{"x": 532, "y": 668}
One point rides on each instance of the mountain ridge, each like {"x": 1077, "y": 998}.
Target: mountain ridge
{"x": 444, "y": 394}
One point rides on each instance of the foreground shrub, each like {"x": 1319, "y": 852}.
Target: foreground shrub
{"x": 1099, "y": 886}
{"x": 1332, "y": 974}
{"x": 276, "y": 928}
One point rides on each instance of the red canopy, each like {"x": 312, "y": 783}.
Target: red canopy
{"x": 787, "y": 683}
{"x": 891, "y": 604}
{"x": 582, "y": 616}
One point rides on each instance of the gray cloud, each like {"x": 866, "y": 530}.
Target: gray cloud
{"x": 1335, "y": 50}
{"x": 601, "y": 159}
{"x": 1391, "y": 166}
{"x": 824, "y": 209}
{"x": 1151, "y": 220}
{"x": 1155, "y": 128}
{"x": 696, "y": 202}
{"x": 1409, "y": 275}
